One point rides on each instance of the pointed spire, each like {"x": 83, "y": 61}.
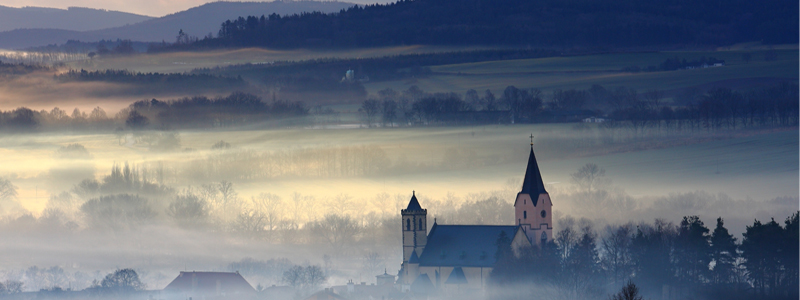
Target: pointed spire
{"x": 533, "y": 184}
{"x": 413, "y": 205}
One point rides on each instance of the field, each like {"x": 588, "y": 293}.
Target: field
{"x": 582, "y": 72}
{"x": 40, "y": 91}
{"x": 187, "y": 61}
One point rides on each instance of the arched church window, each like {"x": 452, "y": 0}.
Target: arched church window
{"x": 544, "y": 213}
{"x": 524, "y": 214}
{"x": 544, "y": 237}
{"x": 408, "y": 224}
{"x": 420, "y": 225}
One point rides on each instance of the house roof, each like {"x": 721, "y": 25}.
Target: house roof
{"x": 210, "y": 283}
{"x": 456, "y": 276}
{"x": 533, "y": 184}
{"x": 384, "y": 275}
{"x": 463, "y": 245}
{"x": 413, "y": 205}
{"x": 326, "y": 294}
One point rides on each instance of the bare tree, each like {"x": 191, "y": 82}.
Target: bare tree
{"x": 341, "y": 204}
{"x": 616, "y": 257}
{"x": 653, "y": 98}
{"x": 228, "y": 196}
{"x": 250, "y": 220}
{"x": 8, "y": 191}
{"x": 336, "y": 230}
{"x": 628, "y": 292}
{"x": 270, "y": 206}
{"x": 304, "y": 280}
{"x": 373, "y": 262}
{"x": 370, "y": 108}
{"x": 589, "y": 177}
{"x": 298, "y": 206}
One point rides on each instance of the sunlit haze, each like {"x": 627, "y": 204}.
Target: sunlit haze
{"x": 422, "y": 149}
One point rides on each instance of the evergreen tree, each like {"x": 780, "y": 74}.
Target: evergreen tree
{"x": 761, "y": 249}
{"x": 692, "y": 251}
{"x": 723, "y": 253}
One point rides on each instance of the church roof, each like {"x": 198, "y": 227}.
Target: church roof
{"x": 413, "y": 205}
{"x": 414, "y": 259}
{"x": 463, "y": 245}
{"x": 422, "y": 285}
{"x": 456, "y": 276}
{"x": 210, "y": 283}
{"x": 533, "y": 184}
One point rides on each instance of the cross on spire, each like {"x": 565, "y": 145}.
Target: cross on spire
{"x": 531, "y": 139}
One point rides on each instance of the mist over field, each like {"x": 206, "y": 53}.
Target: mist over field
{"x": 332, "y": 154}
{"x": 296, "y": 177}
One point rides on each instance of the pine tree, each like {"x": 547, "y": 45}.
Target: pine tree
{"x": 723, "y": 253}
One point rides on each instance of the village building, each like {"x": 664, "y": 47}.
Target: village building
{"x": 209, "y": 286}
{"x": 458, "y": 259}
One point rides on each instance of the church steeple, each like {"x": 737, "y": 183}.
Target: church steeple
{"x": 533, "y": 183}
{"x": 414, "y": 228}
{"x": 413, "y": 205}
{"x": 533, "y": 208}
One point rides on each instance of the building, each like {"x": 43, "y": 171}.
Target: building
{"x": 209, "y": 285}
{"x": 458, "y": 259}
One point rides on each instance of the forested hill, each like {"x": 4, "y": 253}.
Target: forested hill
{"x": 615, "y": 23}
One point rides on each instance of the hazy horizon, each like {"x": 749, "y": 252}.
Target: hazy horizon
{"x": 151, "y": 8}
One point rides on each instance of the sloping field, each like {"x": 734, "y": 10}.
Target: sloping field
{"x": 187, "y": 61}
{"x": 582, "y": 72}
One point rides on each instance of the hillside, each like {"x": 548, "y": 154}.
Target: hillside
{"x": 202, "y": 20}
{"x": 198, "y": 21}
{"x": 73, "y": 18}
{"x": 561, "y": 23}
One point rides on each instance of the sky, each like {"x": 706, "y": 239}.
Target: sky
{"x": 154, "y": 8}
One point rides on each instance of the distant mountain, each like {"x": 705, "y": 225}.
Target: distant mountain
{"x": 539, "y": 23}
{"x": 198, "y": 21}
{"x": 73, "y": 18}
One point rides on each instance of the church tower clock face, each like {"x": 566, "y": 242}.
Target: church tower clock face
{"x": 544, "y": 213}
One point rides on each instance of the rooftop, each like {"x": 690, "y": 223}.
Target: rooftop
{"x": 463, "y": 245}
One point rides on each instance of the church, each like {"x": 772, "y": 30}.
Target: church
{"x": 460, "y": 258}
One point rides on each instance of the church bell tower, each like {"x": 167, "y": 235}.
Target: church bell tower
{"x": 533, "y": 208}
{"x": 415, "y": 228}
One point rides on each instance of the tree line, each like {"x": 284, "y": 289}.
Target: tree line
{"x": 664, "y": 259}
{"x": 483, "y": 22}
{"x": 15, "y": 69}
{"x": 716, "y": 108}
{"x": 202, "y": 112}
{"x": 196, "y": 112}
